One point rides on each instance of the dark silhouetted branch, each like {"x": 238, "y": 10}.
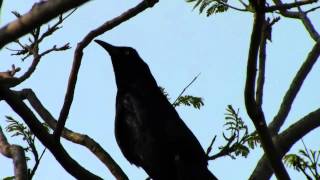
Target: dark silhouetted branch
{"x": 40, "y": 13}
{"x": 262, "y": 64}
{"x": 254, "y": 111}
{"x": 16, "y": 153}
{"x": 13, "y": 81}
{"x": 302, "y": 16}
{"x": 294, "y": 88}
{"x": 79, "y": 53}
{"x": 69, "y": 164}
{"x": 285, "y": 140}
{"x": 75, "y": 137}
{"x": 286, "y": 6}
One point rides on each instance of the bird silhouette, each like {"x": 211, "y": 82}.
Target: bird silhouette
{"x": 148, "y": 129}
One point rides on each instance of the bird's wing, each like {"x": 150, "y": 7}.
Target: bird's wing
{"x": 126, "y": 123}
{"x": 135, "y": 130}
{"x": 140, "y": 135}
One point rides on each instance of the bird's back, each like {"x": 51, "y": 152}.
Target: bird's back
{"x": 151, "y": 134}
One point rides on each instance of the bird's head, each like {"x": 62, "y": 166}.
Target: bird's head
{"x": 128, "y": 67}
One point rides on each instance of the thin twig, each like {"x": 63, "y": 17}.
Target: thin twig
{"x": 303, "y": 17}
{"x": 312, "y": 10}
{"x": 286, "y": 6}
{"x": 184, "y": 89}
{"x": 37, "y": 162}
{"x": 38, "y": 15}
{"x": 79, "y": 53}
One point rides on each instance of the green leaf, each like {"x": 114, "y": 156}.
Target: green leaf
{"x": 188, "y": 100}
{"x": 9, "y": 178}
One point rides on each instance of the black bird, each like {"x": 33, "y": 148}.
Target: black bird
{"x": 148, "y": 129}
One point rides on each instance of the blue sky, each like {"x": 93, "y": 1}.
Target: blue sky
{"x": 178, "y": 44}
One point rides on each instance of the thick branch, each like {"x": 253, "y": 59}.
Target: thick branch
{"x": 79, "y": 53}
{"x": 39, "y": 14}
{"x": 294, "y": 88}
{"x": 285, "y": 141}
{"x": 16, "y": 153}
{"x": 77, "y": 138}
{"x": 69, "y": 164}
{"x": 254, "y": 111}
{"x": 262, "y": 64}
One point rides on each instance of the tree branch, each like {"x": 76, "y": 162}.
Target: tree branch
{"x": 16, "y": 153}
{"x": 303, "y": 17}
{"x": 262, "y": 64}
{"x": 13, "y": 81}
{"x": 69, "y": 164}
{"x": 294, "y": 88}
{"x": 74, "y": 137}
{"x": 286, "y": 6}
{"x": 254, "y": 111}
{"x": 79, "y": 53}
{"x": 39, "y": 14}
{"x": 285, "y": 141}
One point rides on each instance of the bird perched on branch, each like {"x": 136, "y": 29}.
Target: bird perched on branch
{"x": 148, "y": 129}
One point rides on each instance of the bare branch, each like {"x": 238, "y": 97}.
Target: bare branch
{"x": 303, "y": 17}
{"x": 312, "y": 10}
{"x": 55, "y": 147}
{"x": 294, "y": 88}
{"x": 254, "y": 111}
{"x": 79, "y": 53}
{"x": 38, "y": 15}
{"x": 16, "y": 153}
{"x": 285, "y": 140}
{"x": 262, "y": 62}
{"x": 75, "y": 137}
{"x": 7, "y": 77}
{"x": 52, "y": 29}
{"x": 184, "y": 89}
{"x": 286, "y": 6}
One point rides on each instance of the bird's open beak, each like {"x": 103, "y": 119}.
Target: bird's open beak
{"x": 112, "y": 50}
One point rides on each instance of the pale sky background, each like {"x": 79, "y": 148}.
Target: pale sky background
{"x": 177, "y": 43}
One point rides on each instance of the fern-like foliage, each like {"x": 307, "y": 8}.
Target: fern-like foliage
{"x": 238, "y": 140}
{"x": 210, "y": 6}
{"x": 188, "y": 100}
{"x": 21, "y": 130}
{"x": 305, "y": 161}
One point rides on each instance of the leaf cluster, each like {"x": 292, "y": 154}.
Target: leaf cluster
{"x": 189, "y": 100}
{"x": 237, "y": 137}
{"x": 21, "y": 130}
{"x": 210, "y": 6}
{"x": 305, "y": 161}
{"x": 186, "y": 100}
